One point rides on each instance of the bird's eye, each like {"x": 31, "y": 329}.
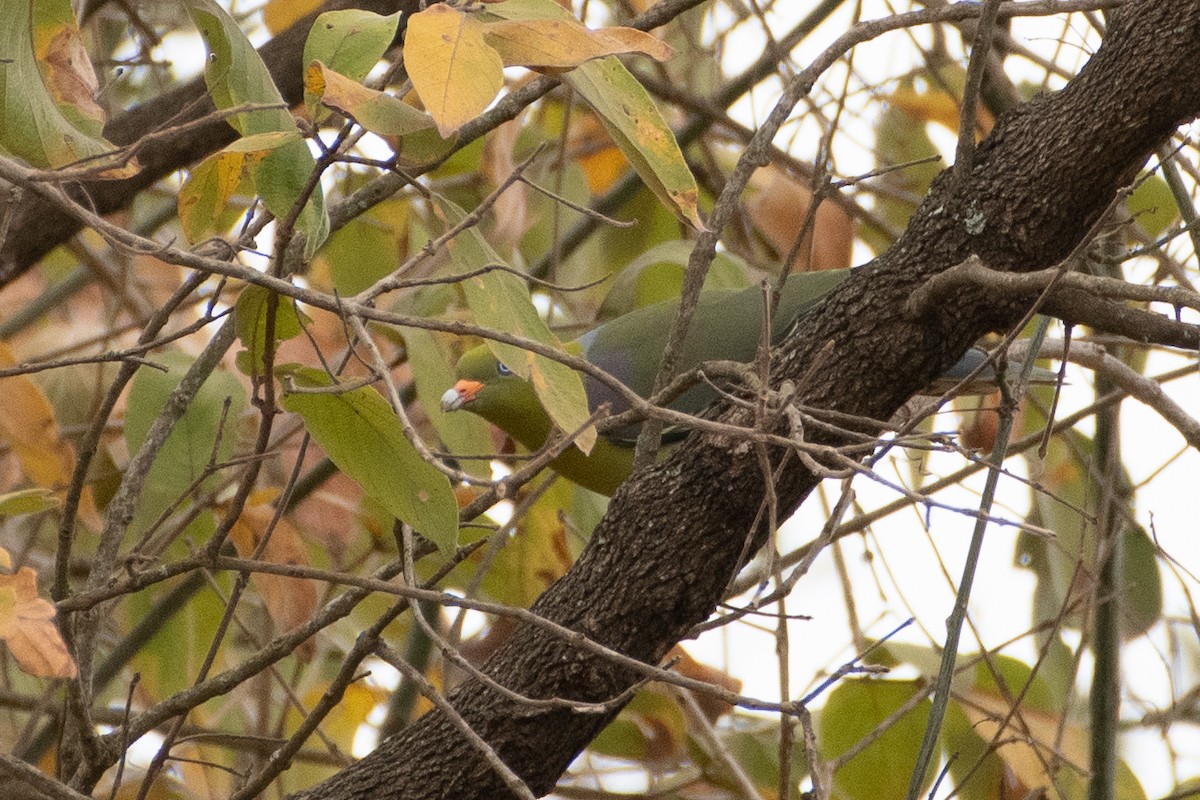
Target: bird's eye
{"x": 501, "y": 369}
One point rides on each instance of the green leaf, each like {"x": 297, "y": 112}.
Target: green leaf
{"x": 657, "y": 275}
{"x": 27, "y": 501}
{"x": 977, "y": 770}
{"x": 236, "y": 75}
{"x": 1019, "y": 680}
{"x": 190, "y": 446}
{"x": 648, "y": 726}
{"x": 204, "y": 197}
{"x": 281, "y": 177}
{"x": 432, "y": 373}
{"x": 539, "y": 552}
{"x": 350, "y": 41}
{"x": 379, "y": 113}
{"x": 65, "y": 65}
{"x": 365, "y": 249}
{"x": 1143, "y": 601}
{"x": 170, "y": 661}
{"x": 900, "y": 138}
{"x": 48, "y": 113}
{"x": 500, "y": 300}
{"x": 635, "y": 124}
{"x": 360, "y": 433}
{"x": 1153, "y": 205}
{"x": 854, "y": 710}
{"x": 1067, "y": 487}
{"x": 754, "y": 744}
{"x": 250, "y": 318}
{"x": 628, "y": 114}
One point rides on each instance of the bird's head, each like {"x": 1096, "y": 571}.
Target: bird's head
{"x": 485, "y": 386}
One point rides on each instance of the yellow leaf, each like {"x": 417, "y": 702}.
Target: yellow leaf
{"x": 565, "y": 43}
{"x": 453, "y": 69}
{"x": 26, "y": 626}
{"x": 279, "y": 15}
{"x": 289, "y": 601}
{"x": 204, "y": 196}
{"x": 343, "y": 722}
{"x": 204, "y": 207}
{"x": 940, "y": 107}
{"x": 636, "y": 125}
{"x": 602, "y": 162}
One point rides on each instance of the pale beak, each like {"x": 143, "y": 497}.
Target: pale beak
{"x": 460, "y": 394}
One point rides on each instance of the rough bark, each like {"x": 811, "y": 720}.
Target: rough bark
{"x": 658, "y": 562}
{"x": 39, "y": 226}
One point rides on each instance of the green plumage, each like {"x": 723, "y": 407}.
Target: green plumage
{"x": 726, "y": 326}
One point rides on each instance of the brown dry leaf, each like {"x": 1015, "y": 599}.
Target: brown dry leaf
{"x": 980, "y": 425}
{"x": 511, "y": 209}
{"x": 713, "y": 707}
{"x": 71, "y": 79}
{"x": 778, "y": 210}
{"x": 289, "y": 601}
{"x": 1031, "y": 739}
{"x": 26, "y": 626}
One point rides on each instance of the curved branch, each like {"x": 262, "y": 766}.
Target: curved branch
{"x": 674, "y": 534}
{"x": 1133, "y": 383}
{"x": 39, "y": 226}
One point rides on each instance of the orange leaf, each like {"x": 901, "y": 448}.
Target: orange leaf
{"x": 713, "y": 707}
{"x": 779, "y": 209}
{"x": 28, "y": 425}
{"x": 26, "y": 626}
{"x": 279, "y": 15}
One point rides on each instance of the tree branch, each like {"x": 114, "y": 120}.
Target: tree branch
{"x": 674, "y": 534}
{"x": 39, "y": 226}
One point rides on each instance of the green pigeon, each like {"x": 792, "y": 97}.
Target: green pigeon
{"x": 726, "y": 326}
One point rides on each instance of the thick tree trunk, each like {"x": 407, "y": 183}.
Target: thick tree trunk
{"x": 672, "y": 538}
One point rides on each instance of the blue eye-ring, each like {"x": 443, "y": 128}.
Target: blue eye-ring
{"x": 501, "y": 369}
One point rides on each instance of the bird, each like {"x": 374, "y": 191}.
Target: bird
{"x": 726, "y": 326}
